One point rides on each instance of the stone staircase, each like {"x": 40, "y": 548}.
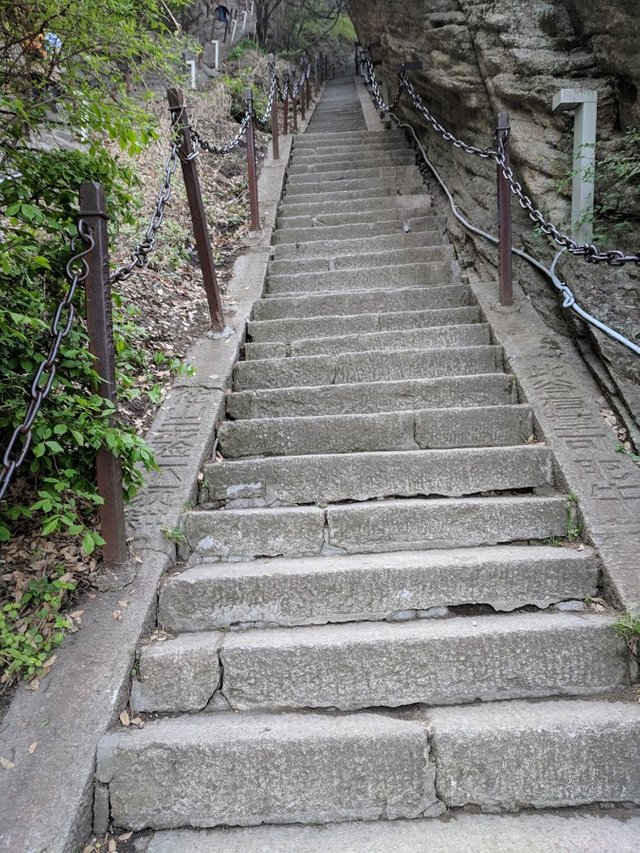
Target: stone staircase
{"x": 374, "y": 620}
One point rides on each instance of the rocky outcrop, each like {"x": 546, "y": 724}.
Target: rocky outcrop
{"x": 482, "y": 57}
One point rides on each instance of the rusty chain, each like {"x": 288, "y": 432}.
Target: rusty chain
{"x": 590, "y": 252}
{"x": 77, "y": 270}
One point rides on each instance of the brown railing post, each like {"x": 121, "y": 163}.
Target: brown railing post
{"x": 274, "y": 114}
{"x": 196, "y": 208}
{"x": 100, "y": 328}
{"x": 316, "y": 76}
{"x": 294, "y": 114}
{"x": 303, "y": 98}
{"x": 504, "y": 217}
{"x": 251, "y": 163}
{"x": 285, "y": 116}
{"x": 308, "y": 86}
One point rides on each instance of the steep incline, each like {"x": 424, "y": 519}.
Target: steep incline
{"x": 374, "y": 620}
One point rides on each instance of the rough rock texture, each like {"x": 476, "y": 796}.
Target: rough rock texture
{"x": 481, "y": 57}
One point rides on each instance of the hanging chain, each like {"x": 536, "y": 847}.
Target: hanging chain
{"x": 226, "y": 147}
{"x": 77, "y": 270}
{"x": 264, "y": 118}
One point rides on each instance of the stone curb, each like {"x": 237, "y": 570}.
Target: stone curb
{"x": 46, "y": 800}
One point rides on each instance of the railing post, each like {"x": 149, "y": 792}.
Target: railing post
{"x": 316, "y": 78}
{"x": 294, "y": 112}
{"x": 303, "y": 96}
{"x": 251, "y": 163}
{"x": 308, "y": 86}
{"x": 285, "y": 116}
{"x": 274, "y": 113}
{"x": 196, "y": 208}
{"x": 504, "y": 217}
{"x": 100, "y": 328}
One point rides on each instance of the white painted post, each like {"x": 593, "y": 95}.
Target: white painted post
{"x": 244, "y": 20}
{"x": 251, "y": 7}
{"x": 216, "y": 43}
{"x": 233, "y": 32}
{"x": 585, "y": 104}
{"x": 192, "y": 64}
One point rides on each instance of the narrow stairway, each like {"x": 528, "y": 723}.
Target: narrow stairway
{"x": 375, "y": 619}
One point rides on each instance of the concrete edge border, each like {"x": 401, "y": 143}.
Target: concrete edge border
{"x": 46, "y": 799}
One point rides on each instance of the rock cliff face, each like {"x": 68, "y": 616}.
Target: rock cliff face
{"x": 482, "y": 57}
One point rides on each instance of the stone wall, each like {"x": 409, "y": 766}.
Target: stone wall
{"x": 482, "y": 57}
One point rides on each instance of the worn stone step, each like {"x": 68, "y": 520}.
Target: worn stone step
{"x": 372, "y": 587}
{"x": 364, "y": 203}
{"x": 488, "y": 426}
{"x": 314, "y": 139}
{"x": 382, "y": 277}
{"x": 338, "y": 226}
{"x": 262, "y": 331}
{"x": 461, "y": 335}
{"x": 393, "y": 525}
{"x": 347, "y": 148}
{"x": 321, "y": 478}
{"x": 341, "y": 181}
{"x": 365, "y": 367}
{"x": 362, "y": 302}
{"x": 402, "y": 255}
{"x": 323, "y": 163}
{"x": 516, "y": 755}
{"x": 534, "y": 833}
{"x": 244, "y": 769}
{"x": 301, "y": 251}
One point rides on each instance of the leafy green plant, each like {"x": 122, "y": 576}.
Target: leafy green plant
{"x": 175, "y": 535}
{"x": 635, "y": 457}
{"x": 244, "y": 46}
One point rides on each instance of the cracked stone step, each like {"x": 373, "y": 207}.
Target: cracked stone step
{"x": 370, "y": 366}
{"x": 460, "y": 335}
{"x": 326, "y": 163}
{"x": 516, "y": 755}
{"x": 362, "y": 193}
{"x": 426, "y": 661}
{"x": 372, "y": 587}
{"x": 477, "y": 426}
{"x": 298, "y": 251}
{"x": 294, "y": 480}
{"x": 346, "y": 172}
{"x": 374, "y": 527}
{"x": 401, "y": 255}
{"x": 263, "y": 331}
{"x": 309, "y": 228}
{"x": 244, "y": 769}
{"x": 337, "y": 146}
{"x": 361, "y": 302}
{"x": 327, "y": 188}
{"x": 533, "y": 833}
{"x": 364, "y": 203}
{"x": 376, "y": 278}
{"x": 450, "y": 397}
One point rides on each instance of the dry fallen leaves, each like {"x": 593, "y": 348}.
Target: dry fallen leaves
{"x": 125, "y": 719}
{"x": 33, "y": 747}
{"x": 6, "y": 764}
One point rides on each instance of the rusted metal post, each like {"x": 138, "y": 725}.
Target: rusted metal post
{"x": 274, "y": 114}
{"x": 316, "y": 76}
{"x": 100, "y": 328}
{"x": 308, "y": 85}
{"x": 294, "y": 111}
{"x": 285, "y": 116}
{"x": 251, "y": 163}
{"x": 196, "y": 208}
{"x": 504, "y": 217}
{"x": 303, "y": 98}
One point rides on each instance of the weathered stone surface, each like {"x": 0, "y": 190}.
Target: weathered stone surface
{"x": 357, "y": 301}
{"x": 548, "y": 754}
{"x": 306, "y": 327}
{"x": 326, "y": 188}
{"x": 245, "y": 769}
{"x": 363, "y": 203}
{"x": 317, "y": 590}
{"x": 365, "y": 367}
{"x": 533, "y": 833}
{"x": 384, "y": 277}
{"x": 462, "y": 335}
{"x": 177, "y": 675}
{"x": 256, "y": 532}
{"x": 311, "y": 229}
{"x": 345, "y": 173}
{"x": 428, "y": 661}
{"x": 399, "y": 239}
{"x": 413, "y": 524}
{"x": 320, "y": 478}
{"x": 490, "y": 389}
{"x": 358, "y": 260}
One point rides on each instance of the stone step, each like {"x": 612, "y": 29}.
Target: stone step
{"x": 317, "y": 140}
{"x": 454, "y": 397}
{"x": 393, "y": 218}
{"x": 516, "y": 755}
{"x": 322, "y": 163}
{"x": 321, "y": 479}
{"x": 461, "y": 335}
{"x": 382, "y": 277}
{"x": 337, "y": 148}
{"x": 262, "y": 331}
{"x": 402, "y": 255}
{"x": 426, "y": 429}
{"x": 334, "y": 182}
{"x": 359, "y": 665}
{"x": 373, "y": 366}
{"x": 361, "y": 302}
{"x": 307, "y": 230}
{"x": 372, "y": 587}
{"x": 253, "y": 768}
{"x": 393, "y": 525}
{"x": 365, "y": 203}
{"x": 300, "y": 251}
{"x": 614, "y": 830}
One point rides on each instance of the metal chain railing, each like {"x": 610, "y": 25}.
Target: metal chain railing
{"x": 226, "y": 147}
{"x": 77, "y": 271}
{"x": 590, "y": 252}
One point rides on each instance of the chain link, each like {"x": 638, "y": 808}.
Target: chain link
{"x": 77, "y": 270}
{"x": 264, "y": 118}
{"x": 226, "y": 147}
{"x": 590, "y": 252}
